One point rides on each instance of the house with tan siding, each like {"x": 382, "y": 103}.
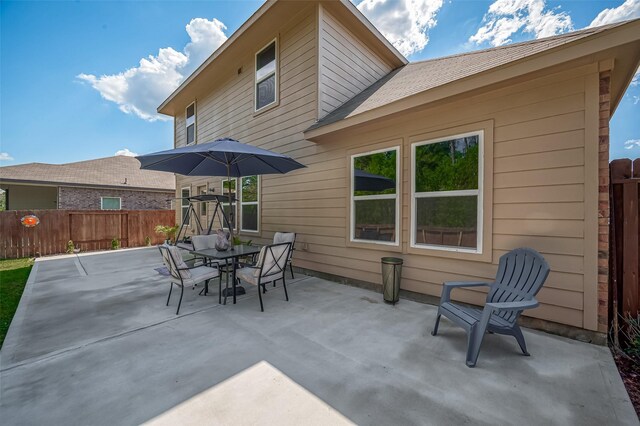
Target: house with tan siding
{"x": 489, "y": 150}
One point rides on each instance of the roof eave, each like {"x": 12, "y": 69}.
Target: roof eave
{"x": 627, "y": 33}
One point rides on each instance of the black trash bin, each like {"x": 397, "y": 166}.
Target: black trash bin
{"x": 391, "y": 273}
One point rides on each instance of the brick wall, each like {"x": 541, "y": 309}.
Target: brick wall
{"x": 603, "y": 202}
{"x": 89, "y": 198}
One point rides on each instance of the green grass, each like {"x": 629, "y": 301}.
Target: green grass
{"x": 13, "y": 276}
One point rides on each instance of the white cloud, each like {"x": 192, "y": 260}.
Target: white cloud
{"x": 4, "y": 156}
{"x": 405, "y": 23}
{"x": 636, "y": 78}
{"x": 506, "y": 17}
{"x": 628, "y": 10}
{"x": 632, "y": 143}
{"x": 139, "y": 90}
{"x": 125, "y": 152}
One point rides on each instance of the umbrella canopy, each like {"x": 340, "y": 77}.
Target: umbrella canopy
{"x": 222, "y": 157}
{"x": 365, "y": 181}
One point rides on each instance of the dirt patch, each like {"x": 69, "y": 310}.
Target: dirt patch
{"x": 629, "y": 368}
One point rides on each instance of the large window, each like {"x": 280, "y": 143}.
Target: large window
{"x": 266, "y": 76}
{"x": 374, "y": 197}
{"x": 225, "y": 206}
{"x": 191, "y": 123}
{"x": 447, "y": 193}
{"x": 185, "y": 193}
{"x": 249, "y": 203}
{"x": 110, "y": 203}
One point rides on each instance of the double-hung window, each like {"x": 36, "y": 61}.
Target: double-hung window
{"x": 185, "y": 193}
{"x": 110, "y": 203}
{"x": 249, "y": 203}
{"x": 231, "y": 215}
{"x": 374, "y": 197}
{"x": 446, "y": 193}
{"x": 266, "y": 76}
{"x": 191, "y": 123}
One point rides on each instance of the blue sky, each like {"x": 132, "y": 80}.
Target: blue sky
{"x": 73, "y": 86}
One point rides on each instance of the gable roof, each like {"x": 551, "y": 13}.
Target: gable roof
{"x": 103, "y": 172}
{"x": 419, "y": 77}
{"x": 267, "y": 19}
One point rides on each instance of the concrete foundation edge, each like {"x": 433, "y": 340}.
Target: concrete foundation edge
{"x": 550, "y": 327}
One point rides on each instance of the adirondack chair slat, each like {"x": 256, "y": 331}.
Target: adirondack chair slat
{"x": 520, "y": 276}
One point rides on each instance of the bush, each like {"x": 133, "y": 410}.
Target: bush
{"x": 169, "y": 232}
{"x": 115, "y": 243}
{"x": 70, "y": 247}
{"x": 147, "y": 241}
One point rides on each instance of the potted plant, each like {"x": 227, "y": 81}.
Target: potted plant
{"x": 169, "y": 232}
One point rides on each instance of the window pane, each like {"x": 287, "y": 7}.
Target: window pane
{"x": 266, "y": 92}
{"x": 191, "y": 110}
{"x": 185, "y": 193}
{"x": 191, "y": 133}
{"x": 249, "y": 189}
{"x": 447, "y": 221}
{"x": 202, "y": 190}
{"x": 375, "y": 220}
{"x": 227, "y": 212}
{"x": 250, "y": 217}
{"x": 226, "y": 184}
{"x": 375, "y": 174}
{"x": 447, "y": 166}
{"x": 109, "y": 203}
{"x": 266, "y": 57}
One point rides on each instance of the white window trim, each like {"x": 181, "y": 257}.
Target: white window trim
{"x": 187, "y": 124}
{"x": 353, "y": 198}
{"x": 256, "y": 81}
{"x": 188, "y": 188}
{"x": 461, "y": 193}
{"x": 226, "y": 194}
{"x": 250, "y": 203}
{"x": 119, "y": 203}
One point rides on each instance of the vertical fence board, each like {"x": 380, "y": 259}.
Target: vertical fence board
{"x": 88, "y": 229}
{"x": 625, "y": 236}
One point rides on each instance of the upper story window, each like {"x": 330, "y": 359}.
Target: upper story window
{"x": 374, "y": 197}
{"x": 110, "y": 203}
{"x": 249, "y": 203}
{"x": 191, "y": 123}
{"x": 447, "y": 193}
{"x": 266, "y": 76}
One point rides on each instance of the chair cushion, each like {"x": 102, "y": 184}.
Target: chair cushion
{"x": 248, "y": 274}
{"x": 284, "y": 237}
{"x": 203, "y": 273}
{"x": 176, "y": 255}
{"x": 203, "y": 242}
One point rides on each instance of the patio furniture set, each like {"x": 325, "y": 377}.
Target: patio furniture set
{"x": 268, "y": 265}
{"x": 520, "y": 276}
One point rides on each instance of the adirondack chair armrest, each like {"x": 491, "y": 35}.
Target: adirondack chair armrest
{"x": 450, "y": 285}
{"x": 512, "y": 306}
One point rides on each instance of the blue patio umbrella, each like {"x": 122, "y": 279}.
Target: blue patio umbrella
{"x": 222, "y": 157}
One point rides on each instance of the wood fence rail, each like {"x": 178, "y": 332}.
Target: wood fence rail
{"x": 624, "y": 238}
{"x": 88, "y": 229}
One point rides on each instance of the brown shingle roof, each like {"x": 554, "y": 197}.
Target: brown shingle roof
{"x": 417, "y": 77}
{"x": 110, "y": 171}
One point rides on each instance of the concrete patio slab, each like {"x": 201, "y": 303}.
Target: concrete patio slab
{"x": 102, "y": 348}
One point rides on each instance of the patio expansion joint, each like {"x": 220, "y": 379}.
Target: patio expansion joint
{"x": 62, "y": 352}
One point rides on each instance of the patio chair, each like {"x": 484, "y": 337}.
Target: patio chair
{"x": 182, "y": 275}
{"x": 204, "y": 242}
{"x": 270, "y": 267}
{"x": 286, "y": 237}
{"x": 521, "y": 274}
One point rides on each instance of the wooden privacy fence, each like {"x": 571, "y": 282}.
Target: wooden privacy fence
{"x": 624, "y": 238}
{"x": 88, "y": 229}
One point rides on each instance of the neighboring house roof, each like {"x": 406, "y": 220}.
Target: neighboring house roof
{"x": 269, "y": 14}
{"x": 419, "y": 77}
{"x": 109, "y": 172}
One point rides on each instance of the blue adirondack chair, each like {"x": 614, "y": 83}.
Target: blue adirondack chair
{"x": 521, "y": 274}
